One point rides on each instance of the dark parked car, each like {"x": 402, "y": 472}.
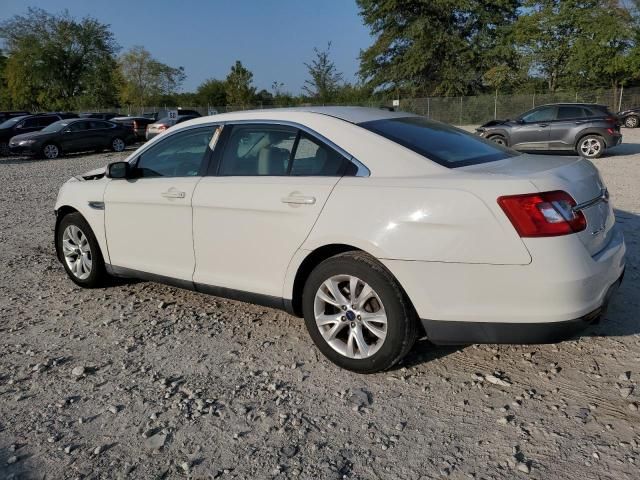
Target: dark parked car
{"x": 73, "y": 135}
{"x": 160, "y": 126}
{"x": 98, "y": 115}
{"x": 137, "y": 124}
{"x": 630, "y": 118}
{"x": 4, "y": 116}
{"x": 26, "y": 124}
{"x": 587, "y": 129}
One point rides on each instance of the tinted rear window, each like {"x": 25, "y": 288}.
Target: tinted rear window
{"x": 446, "y": 145}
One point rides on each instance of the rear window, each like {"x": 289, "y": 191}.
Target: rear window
{"x": 446, "y": 145}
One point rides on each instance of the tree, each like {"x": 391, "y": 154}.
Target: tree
{"x": 239, "y": 85}
{"x": 435, "y": 47}
{"x": 146, "y": 80}
{"x": 325, "y": 79}
{"x": 572, "y": 43}
{"x": 55, "y": 61}
{"x": 212, "y": 92}
{"x": 5, "y": 98}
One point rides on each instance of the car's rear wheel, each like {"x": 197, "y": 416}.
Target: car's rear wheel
{"x": 357, "y": 314}
{"x": 631, "y": 121}
{"x": 591, "y": 146}
{"x": 51, "y": 151}
{"x": 79, "y": 251}
{"x": 499, "y": 139}
{"x": 117, "y": 144}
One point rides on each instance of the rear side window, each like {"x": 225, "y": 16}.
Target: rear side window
{"x": 441, "y": 143}
{"x": 80, "y": 126}
{"x": 569, "y": 112}
{"x": 258, "y": 150}
{"x": 32, "y": 123}
{"x": 313, "y": 158}
{"x": 48, "y": 120}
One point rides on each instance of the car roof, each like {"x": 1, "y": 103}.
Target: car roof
{"x": 573, "y": 104}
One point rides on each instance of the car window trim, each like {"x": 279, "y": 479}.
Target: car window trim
{"x": 362, "y": 170}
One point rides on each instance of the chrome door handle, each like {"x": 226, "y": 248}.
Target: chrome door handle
{"x": 173, "y": 194}
{"x": 543, "y": 124}
{"x": 299, "y": 200}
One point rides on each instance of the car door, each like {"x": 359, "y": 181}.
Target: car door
{"x": 148, "y": 218}
{"x": 101, "y": 134}
{"x": 249, "y": 219}
{"x": 28, "y": 125}
{"x": 531, "y": 131}
{"x": 562, "y": 128}
{"x": 75, "y": 137}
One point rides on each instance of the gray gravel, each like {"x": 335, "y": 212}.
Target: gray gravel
{"x": 142, "y": 380}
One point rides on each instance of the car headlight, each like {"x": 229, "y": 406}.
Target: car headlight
{"x": 22, "y": 143}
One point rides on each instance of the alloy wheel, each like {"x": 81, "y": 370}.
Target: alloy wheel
{"x": 590, "y": 147}
{"x": 631, "y": 122}
{"x": 51, "y": 151}
{"x": 499, "y": 141}
{"x": 77, "y": 252}
{"x": 350, "y": 316}
{"x": 118, "y": 145}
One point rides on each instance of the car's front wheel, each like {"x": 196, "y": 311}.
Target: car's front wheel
{"x": 591, "y": 146}
{"x": 117, "y": 144}
{"x": 631, "y": 121}
{"x": 50, "y": 151}
{"x": 79, "y": 251}
{"x": 499, "y": 139}
{"x": 357, "y": 314}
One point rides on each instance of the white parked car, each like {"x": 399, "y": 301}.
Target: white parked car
{"x": 377, "y": 227}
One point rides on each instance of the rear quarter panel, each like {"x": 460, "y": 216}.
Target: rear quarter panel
{"x": 435, "y": 220}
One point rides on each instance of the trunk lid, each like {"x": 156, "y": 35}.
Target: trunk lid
{"x": 576, "y": 176}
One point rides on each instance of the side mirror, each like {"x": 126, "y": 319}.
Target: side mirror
{"x": 119, "y": 170}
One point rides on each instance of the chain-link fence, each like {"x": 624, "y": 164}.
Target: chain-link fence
{"x": 470, "y": 110}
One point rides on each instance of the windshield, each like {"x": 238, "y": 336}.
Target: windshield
{"x": 444, "y": 144}
{"x": 55, "y": 126}
{"x": 12, "y": 121}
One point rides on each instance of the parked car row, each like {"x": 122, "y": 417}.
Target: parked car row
{"x": 585, "y": 128}
{"x": 49, "y": 135}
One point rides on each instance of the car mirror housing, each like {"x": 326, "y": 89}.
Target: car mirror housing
{"x": 119, "y": 170}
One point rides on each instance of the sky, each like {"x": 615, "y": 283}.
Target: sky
{"x": 272, "y": 38}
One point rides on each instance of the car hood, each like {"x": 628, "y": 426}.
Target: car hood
{"x": 493, "y": 123}
{"x": 631, "y": 110}
{"x": 95, "y": 174}
{"x": 31, "y": 135}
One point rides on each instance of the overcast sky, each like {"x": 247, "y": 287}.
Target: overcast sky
{"x": 273, "y": 38}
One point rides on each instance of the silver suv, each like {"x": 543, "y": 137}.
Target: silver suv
{"x": 588, "y": 129}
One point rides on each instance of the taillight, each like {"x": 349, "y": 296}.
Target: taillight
{"x": 546, "y": 214}
{"x": 162, "y": 127}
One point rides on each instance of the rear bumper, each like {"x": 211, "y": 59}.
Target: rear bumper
{"x": 562, "y": 289}
{"x": 464, "y": 333}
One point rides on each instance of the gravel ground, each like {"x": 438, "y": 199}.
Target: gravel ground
{"x": 142, "y": 380}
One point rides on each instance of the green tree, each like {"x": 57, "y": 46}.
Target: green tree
{"x": 325, "y": 80}
{"x": 5, "y": 98}
{"x": 145, "y": 80}
{"x": 212, "y": 92}
{"x": 579, "y": 43}
{"x": 239, "y": 85}
{"x": 55, "y": 61}
{"x": 435, "y": 47}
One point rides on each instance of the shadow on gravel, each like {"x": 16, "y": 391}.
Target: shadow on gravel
{"x": 15, "y": 464}
{"x": 623, "y": 149}
{"x": 425, "y": 352}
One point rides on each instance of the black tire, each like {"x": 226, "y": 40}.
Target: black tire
{"x": 499, "y": 139}
{"x": 591, "y": 146}
{"x": 98, "y": 275}
{"x": 50, "y": 151}
{"x": 402, "y": 322}
{"x": 4, "y": 149}
{"x": 632, "y": 121}
{"x": 118, "y": 144}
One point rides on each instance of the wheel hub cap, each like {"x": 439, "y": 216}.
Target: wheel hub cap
{"x": 350, "y": 316}
{"x": 77, "y": 252}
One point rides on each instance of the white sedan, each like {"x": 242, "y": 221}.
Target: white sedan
{"x": 375, "y": 226}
